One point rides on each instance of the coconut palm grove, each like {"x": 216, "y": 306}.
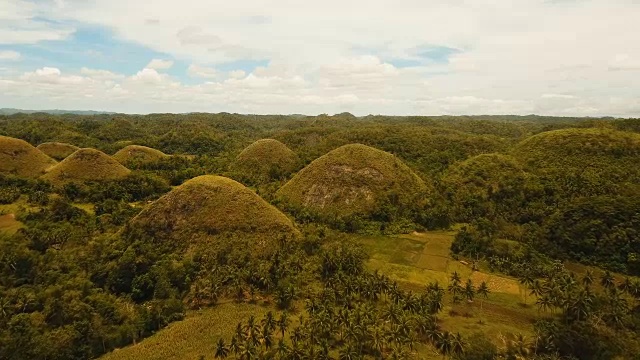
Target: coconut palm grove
{"x": 229, "y": 236}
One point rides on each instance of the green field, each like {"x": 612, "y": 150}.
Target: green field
{"x": 192, "y": 338}
{"x": 9, "y": 225}
{"x": 411, "y": 260}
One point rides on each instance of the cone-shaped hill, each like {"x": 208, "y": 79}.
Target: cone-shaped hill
{"x": 86, "y": 165}
{"x": 591, "y": 160}
{"x": 215, "y": 211}
{"x": 57, "y": 150}
{"x": 136, "y": 154}
{"x": 488, "y": 184}
{"x": 352, "y": 179}
{"x": 20, "y": 158}
{"x": 265, "y": 160}
{"x": 486, "y": 171}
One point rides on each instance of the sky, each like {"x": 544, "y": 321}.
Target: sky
{"x": 394, "y": 57}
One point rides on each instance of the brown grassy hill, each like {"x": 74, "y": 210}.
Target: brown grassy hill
{"x": 20, "y": 158}
{"x": 57, "y": 150}
{"x": 210, "y": 208}
{"x": 577, "y": 147}
{"x": 263, "y": 161}
{"x": 86, "y": 165}
{"x": 138, "y": 154}
{"x": 352, "y": 179}
{"x": 590, "y": 161}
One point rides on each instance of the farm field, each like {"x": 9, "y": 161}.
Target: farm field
{"x": 413, "y": 260}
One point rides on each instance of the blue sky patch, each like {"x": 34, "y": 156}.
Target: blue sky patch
{"x": 244, "y": 65}
{"x": 100, "y": 48}
{"x": 93, "y": 47}
{"x": 435, "y": 54}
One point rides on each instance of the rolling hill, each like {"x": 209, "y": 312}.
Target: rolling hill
{"x": 57, "y": 150}
{"x": 20, "y": 158}
{"x": 86, "y": 165}
{"x": 263, "y": 161}
{"x": 136, "y": 154}
{"x": 590, "y": 161}
{"x": 210, "y": 208}
{"x": 352, "y": 179}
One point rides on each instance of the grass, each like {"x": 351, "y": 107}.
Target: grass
{"x": 399, "y": 257}
{"x": 22, "y": 159}
{"x": 193, "y": 337}
{"x": 214, "y": 207}
{"x": 265, "y": 159}
{"x": 138, "y": 154}
{"x": 403, "y": 258}
{"x": 590, "y": 152}
{"x": 57, "y": 150}
{"x": 9, "y": 225}
{"x": 349, "y": 180}
{"x": 418, "y": 259}
{"x": 87, "y": 207}
{"x": 86, "y": 165}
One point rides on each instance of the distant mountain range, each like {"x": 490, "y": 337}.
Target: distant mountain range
{"x": 11, "y": 111}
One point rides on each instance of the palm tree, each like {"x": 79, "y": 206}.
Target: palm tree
{"x": 521, "y": 345}
{"x": 282, "y": 350}
{"x": 267, "y": 337}
{"x": 433, "y": 334}
{"x": 544, "y": 303}
{"x": 377, "y": 340}
{"x": 618, "y": 307}
{"x": 469, "y": 290}
{"x": 296, "y": 352}
{"x": 626, "y": 285}
{"x": 536, "y": 288}
{"x": 222, "y": 351}
{"x": 269, "y": 321}
{"x": 635, "y": 289}
{"x": 587, "y": 279}
{"x": 398, "y": 353}
{"x": 348, "y": 353}
{"x": 445, "y": 344}
{"x": 526, "y": 280}
{"x": 248, "y": 351}
{"x": 607, "y": 280}
{"x": 579, "y": 306}
{"x": 457, "y": 345}
{"x": 455, "y": 278}
{"x": 234, "y": 347}
{"x": 483, "y": 291}
{"x": 240, "y": 333}
{"x": 283, "y": 323}
{"x": 455, "y": 289}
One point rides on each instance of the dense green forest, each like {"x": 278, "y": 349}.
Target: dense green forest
{"x": 113, "y": 242}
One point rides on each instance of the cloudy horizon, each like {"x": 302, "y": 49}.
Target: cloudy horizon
{"x": 546, "y": 57}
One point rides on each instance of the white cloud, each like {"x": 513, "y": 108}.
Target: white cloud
{"x": 100, "y": 74}
{"x": 198, "y": 71}
{"x": 9, "y": 55}
{"x": 622, "y": 62}
{"x": 51, "y": 75}
{"x": 159, "y": 64}
{"x": 325, "y": 57}
{"x": 557, "y": 96}
{"x": 147, "y": 76}
{"x": 20, "y": 23}
{"x": 237, "y": 74}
